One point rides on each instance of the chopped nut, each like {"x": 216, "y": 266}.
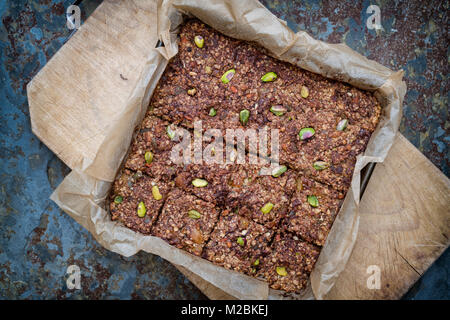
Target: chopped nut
{"x": 269, "y": 76}
{"x": 306, "y": 133}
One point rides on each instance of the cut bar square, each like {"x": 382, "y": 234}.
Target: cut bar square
{"x": 289, "y": 263}
{"x": 128, "y": 191}
{"x": 186, "y": 221}
{"x": 312, "y": 211}
{"x": 237, "y": 242}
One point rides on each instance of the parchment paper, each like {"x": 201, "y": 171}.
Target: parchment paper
{"x": 83, "y": 192}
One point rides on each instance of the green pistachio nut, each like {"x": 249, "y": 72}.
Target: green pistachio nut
{"x": 281, "y": 271}
{"x": 304, "y": 92}
{"x": 321, "y": 165}
{"x": 199, "y": 41}
{"x": 267, "y": 208}
{"x": 194, "y": 214}
{"x": 148, "y": 156}
{"x": 313, "y": 201}
{"x": 141, "y": 210}
{"x": 306, "y": 133}
{"x": 269, "y": 76}
{"x": 278, "y": 171}
{"x": 227, "y": 76}
{"x": 243, "y": 116}
{"x": 278, "y": 110}
{"x": 156, "y": 194}
{"x": 170, "y": 132}
{"x": 342, "y": 125}
{"x": 199, "y": 183}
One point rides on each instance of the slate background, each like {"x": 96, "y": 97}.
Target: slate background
{"x": 38, "y": 241}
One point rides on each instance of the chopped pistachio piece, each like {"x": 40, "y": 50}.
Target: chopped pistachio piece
{"x": 199, "y": 41}
{"x": 313, "y": 202}
{"x": 156, "y": 194}
{"x": 227, "y": 76}
{"x": 278, "y": 110}
{"x": 192, "y": 92}
{"x": 281, "y": 271}
{"x": 208, "y": 69}
{"x": 321, "y": 165}
{"x": 141, "y": 210}
{"x": 304, "y": 92}
{"x": 170, "y": 132}
{"x": 148, "y": 156}
{"x": 267, "y": 208}
{"x": 244, "y": 115}
{"x": 306, "y": 133}
{"x": 212, "y": 112}
{"x": 278, "y": 171}
{"x": 269, "y": 76}
{"x": 118, "y": 199}
{"x": 240, "y": 241}
{"x": 342, "y": 125}
{"x": 256, "y": 263}
{"x": 199, "y": 183}
{"x": 194, "y": 214}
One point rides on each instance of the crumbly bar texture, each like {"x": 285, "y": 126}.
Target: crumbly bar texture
{"x": 269, "y": 226}
{"x": 312, "y": 220}
{"x": 237, "y": 242}
{"x": 183, "y": 228}
{"x": 263, "y": 199}
{"x": 128, "y": 191}
{"x": 153, "y": 137}
{"x": 289, "y": 263}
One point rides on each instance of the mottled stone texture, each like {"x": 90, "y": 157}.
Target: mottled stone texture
{"x": 38, "y": 241}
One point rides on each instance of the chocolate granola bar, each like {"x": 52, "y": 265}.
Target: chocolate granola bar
{"x": 312, "y": 211}
{"x": 237, "y": 242}
{"x": 136, "y": 200}
{"x": 289, "y": 263}
{"x": 228, "y": 212}
{"x": 186, "y": 221}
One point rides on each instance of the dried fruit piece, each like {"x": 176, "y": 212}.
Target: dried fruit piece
{"x": 118, "y": 199}
{"x": 313, "y": 201}
{"x": 244, "y": 115}
{"x": 306, "y": 133}
{"x": 278, "y": 171}
{"x": 199, "y": 41}
{"x": 212, "y": 112}
{"x": 141, "y": 210}
{"x": 278, "y": 110}
{"x": 321, "y": 165}
{"x": 227, "y": 76}
{"x": 196, "y": 236}
{"x": 192, "y": 92}
{"x": 281, "y": 271}
{"x": 240, "y": 241}
{"x": 267, "y": 208}
{"x": 156, "y": 194}
{"x": 342, "y": 125}
{"x": 194, "y": 214}
{"x": 199, "y": 183}
{"x": 269, "y": 76}
{"x": 304, "y": 92}
{"x": 148, "y": 156}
